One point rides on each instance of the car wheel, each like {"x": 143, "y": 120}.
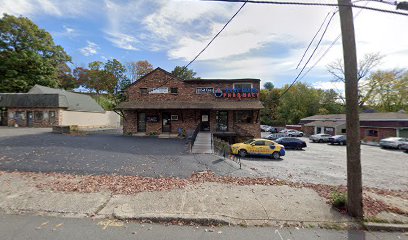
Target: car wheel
{"x": 301, "y": 135}
{"x": 242, "y": 153}
{"x": 275, "y": 155}
{"x": 320, "y": 140}
{"x": 290, "y": 135}
{"x": 341, "y": 143}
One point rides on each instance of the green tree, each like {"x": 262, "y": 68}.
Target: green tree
{"x": 65, "y": 78}
{"x": 184, "y": 73}
{"x": 268, "y": 85}
{"x": 115, "y": 68}
{"x": 28, "y": 55}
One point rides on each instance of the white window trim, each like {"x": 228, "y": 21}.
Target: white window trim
{"x": 233, "y": 85}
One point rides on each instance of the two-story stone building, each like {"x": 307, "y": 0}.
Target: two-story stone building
{"x": 160, "y": 103}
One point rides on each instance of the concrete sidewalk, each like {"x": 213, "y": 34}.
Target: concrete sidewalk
{"x": 201, "y": 202}
{"x": 204, "y": 202}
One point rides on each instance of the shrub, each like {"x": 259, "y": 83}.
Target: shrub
{"x": 339, "y": 199}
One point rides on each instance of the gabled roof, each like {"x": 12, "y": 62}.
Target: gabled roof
{"x": 148, "y": 74}
{"x": 385, "y": 116}
{"x": 223, "y": 80}
{"x": 72, "y": 101}
{"x": 326, "y": 123}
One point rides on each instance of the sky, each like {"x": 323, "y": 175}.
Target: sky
{"x": 263, "y": 41}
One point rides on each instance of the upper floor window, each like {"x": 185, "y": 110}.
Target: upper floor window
{"x": 372, "y": 133}
{"x": 174, "y": 90}
{"x": 143, "y": 91}
{"x": 243, "y": 85}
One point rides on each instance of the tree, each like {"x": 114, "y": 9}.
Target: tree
{"x": 365, "y": 66}
{"x": 115, "y": 68}
{"x": 184, "y": 73}
{"x": 28, "y": 55}
{"x": 268, "y": 86}
{"x": 388, "y": 90}
{"x": 96, "y": 78}
{"x": 65, "y": 78}
{"x": 138, "y": 69}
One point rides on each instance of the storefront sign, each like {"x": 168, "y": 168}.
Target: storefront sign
{"x": 152, "y": 119}
{"x": 174, "y": 117}
{"x": 237, "y": 93}
{"x": 204, "y": 90}
{"x": 158, "y": 90}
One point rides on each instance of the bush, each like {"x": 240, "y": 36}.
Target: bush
{"x": 339, "y": 200}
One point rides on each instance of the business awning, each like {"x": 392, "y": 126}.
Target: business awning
{"x": 215, "y": 105}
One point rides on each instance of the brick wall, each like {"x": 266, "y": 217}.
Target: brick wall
{"x": 382, "y": 133}
{"x": 187, "y": 119}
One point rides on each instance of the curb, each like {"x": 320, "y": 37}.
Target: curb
{"x": 389, "y": 227}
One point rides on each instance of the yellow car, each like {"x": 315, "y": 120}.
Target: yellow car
{"x": 262, "y": 147}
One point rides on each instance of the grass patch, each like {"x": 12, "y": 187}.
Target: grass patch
{"x": 338, "y": 200}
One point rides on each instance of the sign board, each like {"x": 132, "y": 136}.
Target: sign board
{"x": 174, "y": 117}
{"x": 204, "y": 90}
{"x": 158, "y": 90}
{"x": 237, "y": 93}
{"x": 204, "y": 118}
{"x": 152, "y": 119}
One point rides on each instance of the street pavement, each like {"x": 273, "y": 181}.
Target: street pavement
{"x": 102, "y": 153}
{"x": 24, "y": 227}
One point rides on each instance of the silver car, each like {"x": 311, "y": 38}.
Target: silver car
{"x": 294, "y": 133}
{"x": 393, "y": 142}
{"x": 321, "y": 137}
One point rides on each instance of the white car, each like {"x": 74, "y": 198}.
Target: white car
{"x": 321, "y": 137}
{"x": 393, "y": 142}
{"x": 294, "y": 133}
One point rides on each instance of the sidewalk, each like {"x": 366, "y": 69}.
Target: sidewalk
{"x": 203, "y": 202}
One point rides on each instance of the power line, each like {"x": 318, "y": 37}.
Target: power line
{"x": 310, "y": 57}
{"x": 216, "y": 35}
{"x": 314, "y": 4}
{"x": 310, "y": 44}
{"x": 328, "y": 49}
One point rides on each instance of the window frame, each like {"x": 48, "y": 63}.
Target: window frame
{"x": 251, "y": 114}
{"x": 238, "y": 83}
{"x": 36, "y": 117}
{"x": 369, "y": 131}
{"x": 142, "y": 92}
{"x": 171, "y": 90}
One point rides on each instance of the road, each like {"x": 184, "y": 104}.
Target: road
{"x": 19, "y": 227}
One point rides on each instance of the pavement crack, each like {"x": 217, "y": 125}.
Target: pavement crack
{"x": 103, "y": 205}
{"x": 260, "y": 203}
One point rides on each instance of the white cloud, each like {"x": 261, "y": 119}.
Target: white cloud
{"x": 123, "y": 41}
{"x": 64, "y": 9}
{"x": 90, "y": 49}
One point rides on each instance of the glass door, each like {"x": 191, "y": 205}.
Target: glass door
{"x": 205, "y": 121}
{"x": 166, "y": 127}
{"x": 141, "y": 122}
{"x": 222, "y": 121}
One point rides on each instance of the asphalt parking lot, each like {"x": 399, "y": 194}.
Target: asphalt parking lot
{"x": 39, "y": 150}
{"x": 324, "y": 163}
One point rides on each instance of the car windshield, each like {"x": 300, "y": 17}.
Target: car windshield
{"x": 249, "y": 141}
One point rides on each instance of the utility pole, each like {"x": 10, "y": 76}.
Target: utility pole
{"x": 354, "y": 178}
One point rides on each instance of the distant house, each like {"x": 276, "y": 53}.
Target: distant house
{"x": 46, "y": 107}
{"x": 373, "y": 126}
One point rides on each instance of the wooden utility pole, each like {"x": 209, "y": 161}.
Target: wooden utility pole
{"x": 354, "y": 179}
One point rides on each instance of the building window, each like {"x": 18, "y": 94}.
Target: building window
{"x": 38, "y": 116}
{"x": 372, "y": 133}
{"x": 343, "y": 130}
{"x": 243, "y": 85}
{"x": 243, "y": 116}
{"x": 174, "y": 90}
{"x": 143, "y": 91}
{"x": 52, "y": 117}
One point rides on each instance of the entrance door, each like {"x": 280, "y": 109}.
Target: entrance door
{"x": 205, "y": 121}
{"x": 141, "y": 122}
{"x": 3, "y": 117}
{"x": 222, "y": 121}
{"x": 29, "y": 119}
{"x": 166, "y": 127}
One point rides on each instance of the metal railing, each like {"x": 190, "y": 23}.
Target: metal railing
{"x": 194, "y": 136}
{"x": 223, "y": 148}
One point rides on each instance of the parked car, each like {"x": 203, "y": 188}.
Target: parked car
{"x": 291, "y": 142}
{"x": 294, "y": 133}
{"x": 393, "y": 142}
{"x": 265, "y": 128}
{"x": 275, "y": 136}
{"x": 262, "y": 147}
{"x": 338, "y": 139}
{"x": 404, "y": 147}
{"x": 321, "y": 137}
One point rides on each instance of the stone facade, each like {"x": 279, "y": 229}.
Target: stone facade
{"x": 187, "y": 120}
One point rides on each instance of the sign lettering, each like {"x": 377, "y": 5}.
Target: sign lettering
{"x": 204, "y": 90}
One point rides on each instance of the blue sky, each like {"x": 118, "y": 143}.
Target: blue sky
{"x": 263, "y": 41}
